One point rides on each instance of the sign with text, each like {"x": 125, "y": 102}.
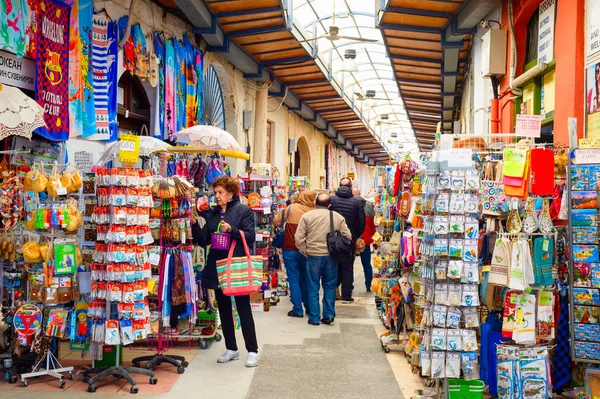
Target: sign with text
{"x": 529, "y": 125}
{"x": 129, "y": 150}
{"x": 589, "y": 143}
{"x": 546, "y": 31}
{"x": 84, "y": 161}
{"x": 593, "y": 125}
{"x": 592, "y": 27}
{"x": 17, "y": 72}
{"x": 586, "y": 156}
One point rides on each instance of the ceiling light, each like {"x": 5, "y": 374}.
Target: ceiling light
{"x": 370, "y": 93}
{"x": 350, "y": 64}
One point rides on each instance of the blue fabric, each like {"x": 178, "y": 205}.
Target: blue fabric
{"x": 295, "y": 266}
{"x": 563, "y": 366}
{"x": 365, "y": 259}
{"x": 159, "y": 50}
{"x": 86, "y": 9}
{"x": 321, "y": 268}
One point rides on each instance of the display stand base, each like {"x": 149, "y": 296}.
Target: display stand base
{"x": 53, "y": 368}
{"x": 117, "y": 372}
{"x": 157, "y": 360}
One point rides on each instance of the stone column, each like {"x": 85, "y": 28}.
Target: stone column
{"x": 259, "y": 148}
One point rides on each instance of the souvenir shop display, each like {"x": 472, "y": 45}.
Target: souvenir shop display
{"x": 119, "y": 310}
{"x": 584, "y": 287}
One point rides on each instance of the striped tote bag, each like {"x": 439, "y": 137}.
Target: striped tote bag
{"x": 240, "y": 275}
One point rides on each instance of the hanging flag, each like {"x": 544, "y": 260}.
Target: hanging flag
{"x": 86, "y": 9}
{"x": 170, "y": 81}
{"x": 105, "y": 49}
{"x": 52, "y": 68}
{"x": 159, "y": 123}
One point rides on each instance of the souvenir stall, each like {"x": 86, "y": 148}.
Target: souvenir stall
{"x": 492, "y": 273}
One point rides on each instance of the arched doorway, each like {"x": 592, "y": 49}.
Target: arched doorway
{"x": 133, "y": 112}
{"x": 302, "y": 158}
{"x": 213, "y": 102}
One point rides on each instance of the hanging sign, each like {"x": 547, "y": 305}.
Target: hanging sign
{"x": 586, "y": 156}
{"x": 52, "y": 68}
{"x": 351, "y": 175}
{"x": 546, "y": 31}
{"x": 65, "y": 259}
{"x": 129, "y": 150}
{"x": 589, "y": 143}
{"x": 17, "y": 72}
{"x": 592, "y": 27}
{"x": 84, "y": 161}
{"x": 528, "y": 125}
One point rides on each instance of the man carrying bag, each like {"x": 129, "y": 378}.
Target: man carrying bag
{"x": 318, "y": 231}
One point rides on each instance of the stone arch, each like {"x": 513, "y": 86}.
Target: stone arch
{"x": 302, "y": 165}
{"x": 227, "y": 87}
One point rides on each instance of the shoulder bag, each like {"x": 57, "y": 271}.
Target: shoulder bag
{"x": 280, "y": 232}
{"x": 340, "y": 246}
{"x": 240, "y": 275}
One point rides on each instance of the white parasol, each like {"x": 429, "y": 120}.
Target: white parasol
{"x": 19, "y": 114}
{"x": 148, "y": 145}
{"x": 208, "y": 137}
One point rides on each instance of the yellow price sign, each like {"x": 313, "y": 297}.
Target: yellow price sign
{"x": 129, "y": 150}
{"x": 589, "y": 143}
{"x": 351, "y": 175}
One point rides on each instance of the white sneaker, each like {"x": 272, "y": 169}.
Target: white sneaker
{"x": 252, "y": 359}
{"x": 229, "y": 356}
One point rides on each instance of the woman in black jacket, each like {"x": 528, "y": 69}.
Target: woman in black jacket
{"x": 236, "y": 219}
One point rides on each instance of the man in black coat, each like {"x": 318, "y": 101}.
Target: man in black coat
{"x": 352, "y": 209}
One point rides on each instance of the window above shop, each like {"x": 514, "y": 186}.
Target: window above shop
{"x": 133, "y": 106}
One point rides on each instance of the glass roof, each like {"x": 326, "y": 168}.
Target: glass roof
{"x": 385, "y": 113}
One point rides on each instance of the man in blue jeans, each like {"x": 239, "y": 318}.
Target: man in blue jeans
{"x": 295, "y": 262}
{"x": 311, "y": 240}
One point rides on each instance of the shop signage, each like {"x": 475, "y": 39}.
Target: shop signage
{"x": 586, "y": 156}
{"x": 592, "y": 29}
{"x": 589, "y": 143}
{"x": 351, "y": 175}
{"x": 17, "y": 72}
{"x": 546, "y": 31}
{"x": 529, "y": 125}
{"x": 84, "y": 161}
{"x": 129, "y": 151}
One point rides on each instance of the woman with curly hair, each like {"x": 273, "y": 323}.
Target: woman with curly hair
{"x": 236, "y": 219}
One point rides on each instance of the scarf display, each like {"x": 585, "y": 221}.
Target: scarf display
{"x": 75, "y": 76}
{"x": 179, "y": 294}
{"x": 191, "y": 87}
{"x": 105, "y": 49}
{"x": 563, "y": 366}
{"x": 52, "y": 69}
{"x": 159, "y": 122}
{"x": 170, "y": 82}
{"x": 86, "y": 10}
{"x": 199, "y": 68}
{"x": 180, "y": 86}
{"x": 13, "y": 23}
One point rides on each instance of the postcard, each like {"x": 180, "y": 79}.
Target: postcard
{"x": 584, "y": 217}
{"x": 584, "y": 200}
{"x": 585, "y": 235}
{"x": 585, "y": 253}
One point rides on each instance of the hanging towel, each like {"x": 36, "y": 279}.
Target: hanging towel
{"x": 165, "y": 294}
{"x": 522, "y": 190}
{"x": 542, "y": 171}
{"x": 524, "y": 326}
{"x": 543, "y": 254}
{"x": 514, "y": 162}
{"x": 170, "y": 82}
{"x": 509, "y": 313}
{"x": 159, "y": 122}
{"x": 75, "y": 74}
{"x": 180, "y": 86}
{"x": 500, "y": 263}
{"x": 562, "y": 355}
{"x": 521, "y": 269}
{"x": 191, "y": 99}
{"x": 199, "y": 67}
{"x": 86, "y": 10}
{"x": 13, "y": 26}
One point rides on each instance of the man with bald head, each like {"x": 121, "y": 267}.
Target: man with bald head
{"x": 353, "y": 211}
{"x": 311, "y": 241}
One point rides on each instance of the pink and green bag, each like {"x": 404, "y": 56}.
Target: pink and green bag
{"x": 240, "y": 275}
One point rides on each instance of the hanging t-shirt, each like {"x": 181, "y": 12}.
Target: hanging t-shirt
{"x": 13, "y": 22}
{"x": 170, "y": 82}
{"x": 52, "y": 69}
{"x": 86, "y": 9}
{"x": 159, "y": 123}
{"x": 105, "y": 49}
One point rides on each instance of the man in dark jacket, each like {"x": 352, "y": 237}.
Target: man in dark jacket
{"x": 352, "y": 209}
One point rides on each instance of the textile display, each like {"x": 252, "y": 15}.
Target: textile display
{"x": 52, "y": 68}
{"x": 190, "y": 83}
{"x": 179, "y": 291}
{"x": 30, "y": 29}
{"x": 105, "y": 49}
{"x": 75, "y": 74}
{"x": 13, "y": 20}
{"x": 199, "y": 68}
{"x": 86, "y": 10}
{"x": 180, "y": 86}
{"x": 159, "y": 122}
{"x": 170, "y": 82}
{"x": 563, "y": 366}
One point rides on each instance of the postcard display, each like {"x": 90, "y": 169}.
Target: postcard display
{"x": 584, "y": 276}
{"x": 448, "y": 296}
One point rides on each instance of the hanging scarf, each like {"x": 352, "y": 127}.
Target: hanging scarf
{"x": 30, "y": 29}
{"x": 75, "y": 76}
{"x": 170, "y": 82}
{"x": 165, "y": 294}
{"x": 180, "y": 86}
{"x": 52, "y": 69}
{"x": 178, "y": 293}
{"x": 562, "y": 355}
{"x": 199, "y": 66}
{"x": 191, "y": 99}
{"x": 188, "y": 272}
{"x": 86, "y": 10}
{"x": 159, "y": 122}
{"x": 105, "y": 50}
{"x": 13, "y": 24}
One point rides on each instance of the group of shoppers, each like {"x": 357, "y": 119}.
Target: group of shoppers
{"x": 305, "y": 253}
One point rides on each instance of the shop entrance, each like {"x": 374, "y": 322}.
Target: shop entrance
{"x": 133, "y": 111}
{"x": 302, "y": 159}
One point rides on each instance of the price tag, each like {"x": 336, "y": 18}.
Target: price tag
{"x": 267, "y": 210}
{"x": 154, "y": 259}
{"x": 259, "y": 237}
{"x": 129, "y": 150}
{"x": 61, "y": 191}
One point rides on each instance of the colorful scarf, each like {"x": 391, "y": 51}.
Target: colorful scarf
{"x": 170, "y": 82}
{"x": 52, "y": 69}
{"x": 86, "y": 9}
{"x": 191, "y": 99}
{"x": 199, "y": 64}
{"x": 13, "y": 23}
{"x": 181, "y": 86}
{"x": 75, "y": 76}
{"x": 159, "y": 123}
{"x": 31, "y": 28}
{"x": 105, "y": 49}
{"x": 165, "y": 293}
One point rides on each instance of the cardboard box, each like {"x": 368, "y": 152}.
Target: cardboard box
{"x": 257, "y": 306}
{"x": 257, "y": 297}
